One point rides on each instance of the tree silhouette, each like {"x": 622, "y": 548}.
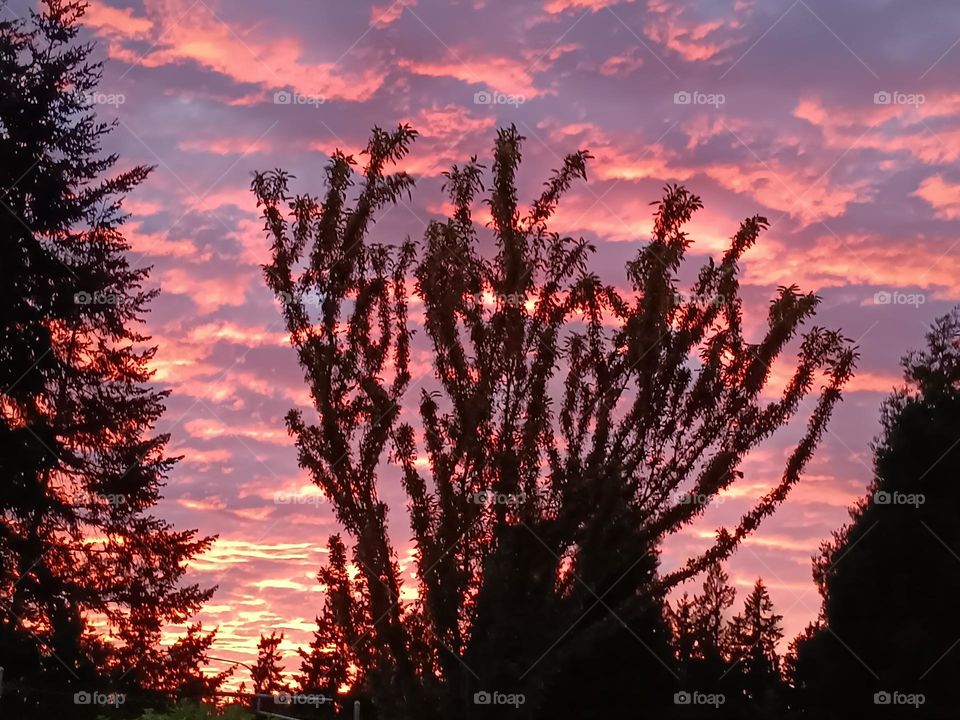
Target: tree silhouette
{"x": 339, "y": 644}
{"x": 752, "y": 648}
{"x": 890, "y": 578}
{"x": 711, "y": 619}
{"x": 571, "y": 426}
{"x": 80, "y": 464}
{"x": 683, "y": 626}
{"x": 701, "y": 633}
{"x": 267, "y": 672}
{"x": 735, "y": 657}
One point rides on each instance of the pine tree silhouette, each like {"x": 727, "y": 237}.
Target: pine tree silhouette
{"x": 752, "y": 648}
{"x": 337, "y": 651}
{"x": 701, "y": 634}
{"x": 80, "y": 464}
{"x": 267, "y": 672}
{"x": 710, "y": 612}
{"x": 682, "y": 624}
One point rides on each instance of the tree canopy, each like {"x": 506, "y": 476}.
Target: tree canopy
{"x": 569, "y": 426}
{"x": 887, "y": 632}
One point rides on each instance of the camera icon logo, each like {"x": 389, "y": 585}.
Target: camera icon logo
{"x": 882, "y": 698}
{"x": 82, "y": 298}
{"x": 482, "y": 698}
{"x": 882, "y": 98}
{"x": 882, "y": 298}
{"x": 282, "y": 97}
{"x": 82, "y": 698}
{"x": 482, "y": 97}
{"x": 682, "y": 698}
{"x": 881, "y": 498}
{"x": 682, "y": 98}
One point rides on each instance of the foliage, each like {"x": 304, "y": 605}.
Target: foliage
{"x": 752, "y": 637}
{"x": 889, "y": 579}
{"x": 82, "y": 468}
{"x": 571, "y": 426}
{"x": 733, "y": 657}
{"x": 267, "y": 672}
{"x": 324, "y": 668}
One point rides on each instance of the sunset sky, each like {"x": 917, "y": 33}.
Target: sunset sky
{"x": 837, "y": 121}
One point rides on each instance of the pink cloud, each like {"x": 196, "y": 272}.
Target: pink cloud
{"x": 227, "y": 145}
{"x": 156, "y": 244}
{"x": 236, "y": 52}
{"x": 207, "y": 294}
{"x": 115, "y": 21}
{"x": 614, "y": 159}
{"x": 178, "y": 359}
{"x": 247, "y": 335}
{"x": 205, "y": 458}
{"x": 855, "y": 260}
{"x": 502, "y": 74}
{"x": 669, "y": 25}
{"x": 889, "y": 129}
{"x": 619, "y": 65}
{"x": 558, "y": 6}
{"x": 943, "y": 196}
{"x": 204, "y": 429}
{"x": 448, "y": 134}
{"x": 800, "y": 190}
{"x": 390, "y": 12}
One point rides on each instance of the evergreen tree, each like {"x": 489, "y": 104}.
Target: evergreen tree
{"x": 682, "y": 625}
{"x": 710, "y": 614}
{"x": 174, "y": 671}
{"x": 267, "y": 672}
{"x": 890, "y": 578}
{"x": 564, "y": 435}
{"x": 81, "y": 468}
{"x": 735, "y": 657}
{"x": 342, "y": 637}
{"x": 752, "y": 646}
{"x": 700, "y": 634}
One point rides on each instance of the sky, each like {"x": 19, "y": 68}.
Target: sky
{"x": 837, "y": 121}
